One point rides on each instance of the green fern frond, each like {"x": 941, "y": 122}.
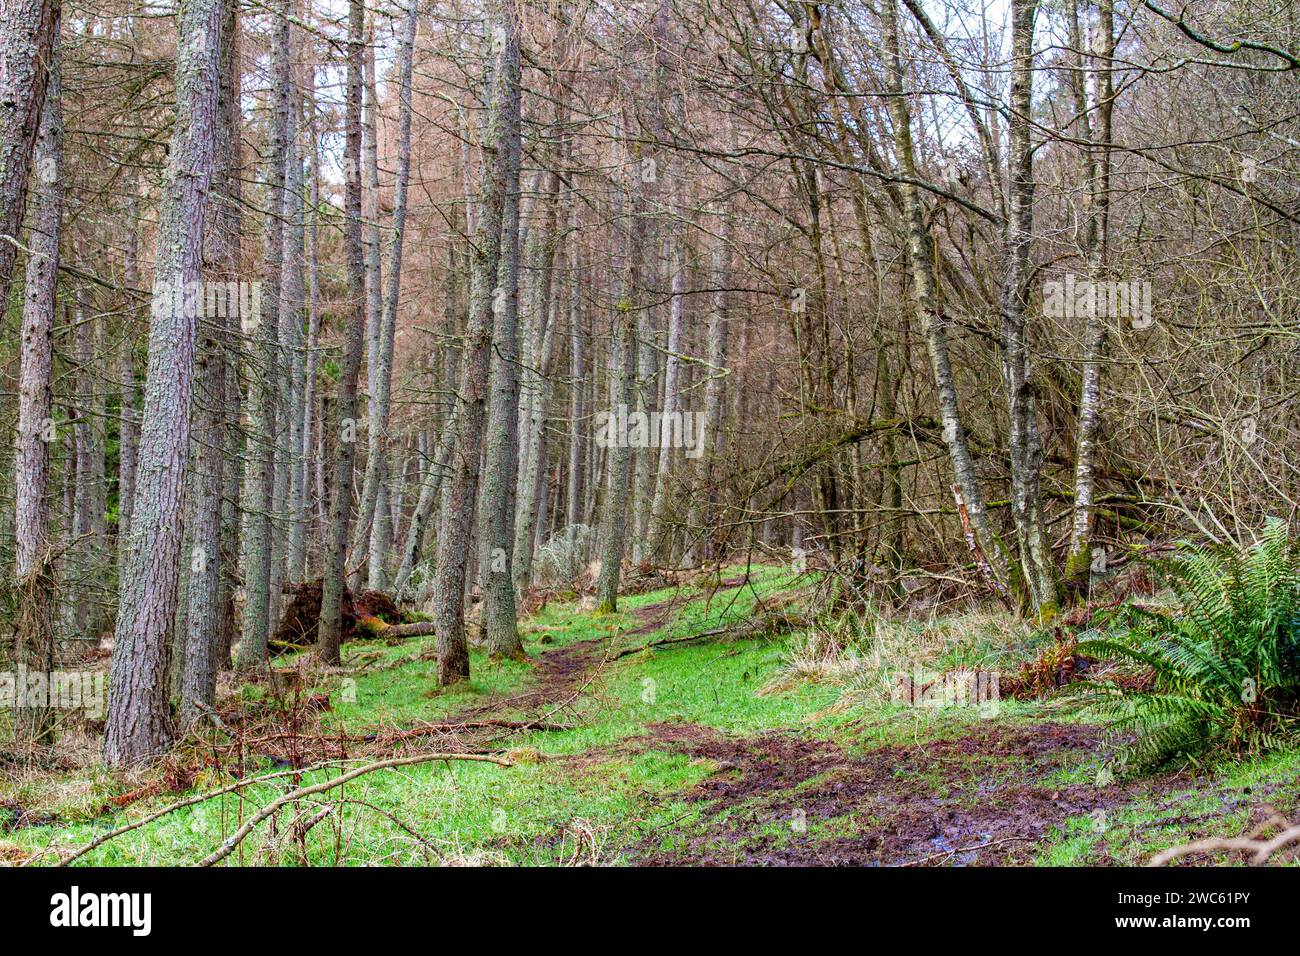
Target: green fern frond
{"x": 1225, "y": 668}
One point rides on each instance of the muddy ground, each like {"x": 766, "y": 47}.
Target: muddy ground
{"x": 785, "y": 798}
{"x": 788, "y": 797}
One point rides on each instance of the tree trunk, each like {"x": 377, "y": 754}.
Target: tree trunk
{"x": 577, "y": 395}
{"x": 231, "y": 211}
{"x": 358, "y": 552}
{"x": 380, "y": 372}
{"x": 454, "y": 540}
{"x": 1078, "y": 564}
{"x": 128, "y": 421}
{"x": 33, "y": 564}
{"x": 291, "y": 333}
{"x": 28, "y": 33}
{"x": 345, "y": 445}
{"x": 929, "y": 317}
{"x": 264, "y": 386}
{"x": 312, "y": 457}
{"x": 659, "y": 549}
{"x": 1026, "y": 443}
{"x": 501, "y": 456}
{"x": 205, "y": 611}
{"x": 624, "y": 367}
{"x": 138, "y": 723}
{"x": 540, "y": 342}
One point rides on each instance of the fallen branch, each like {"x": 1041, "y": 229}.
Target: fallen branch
{"x": 424, "y": 730}
{"x": 703, "y": 635}
{"x": 1262, "y": 849}
{"x": 418, "y": 629}
{"x": 963, "y": 849}
{"x": 182, "y": 804}
{"x": 236, "y": 838}
{"x": 771, "y": 623}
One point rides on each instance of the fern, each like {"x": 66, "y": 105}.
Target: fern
{"x": 1225, "y": 668}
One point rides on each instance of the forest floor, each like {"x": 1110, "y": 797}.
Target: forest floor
{"x": 713, "y": 751}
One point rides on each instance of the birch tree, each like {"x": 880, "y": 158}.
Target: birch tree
{"x": 1026, "y": 443}
{"x": 1096, "y": 120}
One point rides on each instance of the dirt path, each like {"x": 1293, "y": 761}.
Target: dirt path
{"x": 783, "y": 798}
{"x": 561, "y": 672}
{"x": 787, "y": 797}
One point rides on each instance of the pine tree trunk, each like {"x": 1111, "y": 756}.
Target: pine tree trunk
{"x": 138, "y": 723}
{"x": 659, "y": 550}
{"x": 455, "y": 540}
{"x": 613, "y": 529}
{"x": 501, "y": 453}
{"x": 577, "y": 396}
{"x": 358, "y": 552}
{"x": 380, "y": 373}
{"x": 345, "y": 445}
{"x": 28, "y": 34}
{"x": 33, "y": 564}
{"x": 128, "y": 429}
{"x": 79, "y": 589}
{"x": 312, "y": 457}
{"x": 203, "y": 637}
{"x": 260, "y": 578}
{"x": 291, "y": 331}
{"x": 535, "y": 396}
{"x": 232, "y": 214}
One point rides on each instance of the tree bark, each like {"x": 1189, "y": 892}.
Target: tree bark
{"x": 128, "y": 421}
{"x": 33, "y": 564}
{"x": 1026, "y": 443}
{"x": 454, "y": 540}
{"x": 501, "y": 456}
{"x": 929, "y": 317}
{"x": 345, "y": 445}
{"x": 659, "y": 547}
{"x": 138, "y": 723}
{"x": 231, "y": 212}
{"x": 264, "y": 386}
{"x": 535, "y": 396}
{"x": 205, "y": 610}
{"x": 28, "y": 32}
{"x": 577, "y": 395}
{"x": 291, "y": 333}
{"x": 1078, "y": 563}
{"x": 380, "y": 372}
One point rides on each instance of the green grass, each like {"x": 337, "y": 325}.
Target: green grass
{"x": 594, "y": 792}
{"x": 1218, "y": 806}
